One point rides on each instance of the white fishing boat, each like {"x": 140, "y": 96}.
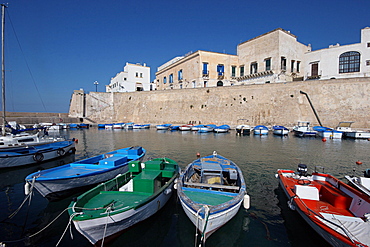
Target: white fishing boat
{"x": 243, "y": 129}
{"x": 361, "y": 183}
{"x": 303, "y": 129}
{"x": 211, "y": 190}
{"x": 348, "y": 132}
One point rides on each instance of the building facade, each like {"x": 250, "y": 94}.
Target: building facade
{"x": 134, "y": 77}
{"x": 274, "y": 57}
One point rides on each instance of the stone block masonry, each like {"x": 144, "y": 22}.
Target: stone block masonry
{"x": 269, "y": 104}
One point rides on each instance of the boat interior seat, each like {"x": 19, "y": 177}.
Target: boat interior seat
{"x": 113, "y": 161}
{"x": 365, "y": 182}
{"x": 335, "y": 197}
{"x": 307, "y": 192}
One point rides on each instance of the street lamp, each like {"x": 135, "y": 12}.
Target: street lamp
{"x": 96, "y": 83}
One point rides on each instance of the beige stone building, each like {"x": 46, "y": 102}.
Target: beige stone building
{"x": 198, "y": 69}
{"x": 273, "y": 57}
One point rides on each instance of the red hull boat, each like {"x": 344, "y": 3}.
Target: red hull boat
{"x": 335, "y": 210}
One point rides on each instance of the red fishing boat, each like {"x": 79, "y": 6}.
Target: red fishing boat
{"x": 335, "y": 210}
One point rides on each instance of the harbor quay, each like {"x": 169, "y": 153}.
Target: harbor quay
{"x": 334, "y": 100}
{"x": 31, "y": 118}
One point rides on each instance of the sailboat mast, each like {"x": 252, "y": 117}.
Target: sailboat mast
{"x": 3, "y": 65}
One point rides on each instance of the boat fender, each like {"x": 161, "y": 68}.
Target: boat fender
{"x": 290, "y": 203}
{"x": 246, "y": 202}
{"x": 142, "y": 165}
{"x": 38, "y": 157}
{"x": 27, "y": 189}
{"x": 175, "y": 184}
{"x": 60, "y": 152}
{"x": 167, "y": 191}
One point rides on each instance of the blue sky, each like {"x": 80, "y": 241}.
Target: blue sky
{"x": 67, "y": 45}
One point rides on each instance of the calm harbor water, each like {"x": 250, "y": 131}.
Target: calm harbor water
{"x": 268, "y": 222}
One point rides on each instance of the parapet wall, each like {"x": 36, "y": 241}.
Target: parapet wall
{"x": 269, "y": 104}
{"x": 30, "y": 118}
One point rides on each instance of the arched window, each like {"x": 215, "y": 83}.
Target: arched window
{"x": 349, "y": 62}
{"x": 220, "y": 84}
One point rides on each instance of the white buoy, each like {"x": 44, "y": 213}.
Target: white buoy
{"x": 246, "y": 202}
{"x": 27, "y": 189}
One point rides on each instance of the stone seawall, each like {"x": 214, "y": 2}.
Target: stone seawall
{"x": 334, "y": 100}
{"x": 30, "y": 118}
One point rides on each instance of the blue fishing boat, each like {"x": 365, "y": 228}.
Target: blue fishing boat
{"x": 222, "y": 128}
{"x": 280, "y": 130}
{"x": 260, "y": 130}
{"x": 327, "y": 132}
{"x": 207, "y": 128}
{"x": 163, "y": 126}
{"x": 73, "y": 126}
{"x": 52, "y": 183}
{"x": 175, "y": 127}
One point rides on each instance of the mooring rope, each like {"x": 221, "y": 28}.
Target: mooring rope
{"x": 68, "y": 225}
{"x": 106, "y": 224}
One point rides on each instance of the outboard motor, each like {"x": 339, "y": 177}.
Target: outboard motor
{"x": 367, "y": 173}
{"x": 302, "y": 170}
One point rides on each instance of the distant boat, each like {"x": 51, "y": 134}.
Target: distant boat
{"x": 280, "y": 130}
{"x": 211, "y": 190}
{"x": 326, "y": 132}
{"x": 185, "y": 127}
{"x": 345, "y": 127}
{"x": 175, "y": 127}
{"x": 163, "y": 126}
{"x": 73, "y": 125}
{"x": 52, "y": 183}
{"x": 84, "y": 126}
{"x": 125, "y": 200}
{"x": 222, "y": 128}
{"x": 303, "y": 129}
{"x": 260, "y": 130}
{"x": 197, "y": 127}
{"x": 101, "y": 126}
{"x": 207, "y": 128}
{"x": 243, "y": 129}
{"x": 361, "y": 183}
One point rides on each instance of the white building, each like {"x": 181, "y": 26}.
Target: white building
{"x": 134, "y": 77}
{"x": 340, "y": 61}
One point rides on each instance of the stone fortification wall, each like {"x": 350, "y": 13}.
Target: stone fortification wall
{"x": 30, "y": 118}
{"x": 268, "y": 104}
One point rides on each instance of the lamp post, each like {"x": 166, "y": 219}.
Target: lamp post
{"x": 96, "y": 83}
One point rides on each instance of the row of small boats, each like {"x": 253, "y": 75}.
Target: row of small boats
{"x": 201, "y": 128}
{"x": 211, "y": 190}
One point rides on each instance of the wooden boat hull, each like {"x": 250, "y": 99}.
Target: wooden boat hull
{"x": 14, "y": 157}
{"x": 126, "y": 200}
{"x": 53, "y": 182}
{"x": 210, "y": 206}
{"x": 333, "y": 209}
{"x": 94, "y": 229}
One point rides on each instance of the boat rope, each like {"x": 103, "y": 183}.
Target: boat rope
{"x": 199, "y": 218}
{"x": 206, "y": 216}
{"x": 106, "y": 224}
{"x": 29, "y": 196}
{"x": 69, "y": 225}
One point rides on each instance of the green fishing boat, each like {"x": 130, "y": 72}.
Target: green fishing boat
{"x": 127, "y": 199}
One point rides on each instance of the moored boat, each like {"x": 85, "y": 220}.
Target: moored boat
{"x": 53, "y": 183}
{"x": 211, "y": 190}
{"x": 196, "y": 127}
{"x": 243, "y": 129}
{"x": 361, "y": 183}
{"x": 280, "y": 130}
{"x": 335, "y": 210}
{"x": 185, "y": 127}
{"x": 260, "y": 130}
{"x": 222, "y": 128}
{"x": 207, "y": 128}
{"x": 348, "y": 132}
{"x": 303, "y": 129}
{"x": 34, "y": 154}
{"x": 327, "y": 132}
{"x": 125, "y": 200}
{"x": 163, "y": 126}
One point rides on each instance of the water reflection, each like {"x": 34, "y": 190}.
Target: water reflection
{"x": 268, "y": 222}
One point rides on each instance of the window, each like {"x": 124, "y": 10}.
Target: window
{"x": 367, "y": 62}
{"x": 220, "y": 69}
{"x": 194, "y": 84}
{"x": 125, "y": 79}
{"x": 292, "y": 66}
{"x": 298, "y": 66}
{"x": 171, "y": 78}
{"x": 283, "y": 63}
{"x": 205, "y": 68}
{"x": 220, "y": 84}
{"x": 233, "y": 71}
{"x": 368, "y": 44}
{"x": 164, "y": 80}
{"x": 254, "y": 68}
{"x": 349, "y": 62}
{"x": 241, "y": 70}
{"x": 314, "y": 69}
{"x": 137, "y": 74}
{"x": 141, "y": 75}
{"x": 205, "y": 84}
{"x": 180, "y": 74}
{"x": 268, "y": 64}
